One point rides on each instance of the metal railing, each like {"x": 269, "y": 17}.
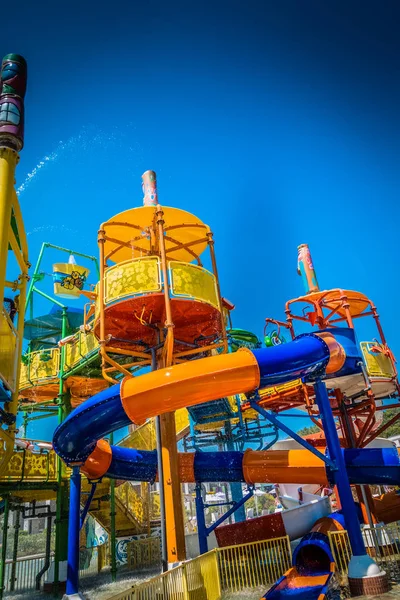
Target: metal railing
{"x": 23, "y": 579}
{"x": 98, "y": 560}
{"x": 80, "y": 348}
{"x": 382, "y": 543}
{"x": 254, "y": 564}
{"x": 230, "y": 569}
{"x": 144, "y": 553}
{"x": 140, "y": 276}
{"x": 378, "y": 364}
{"x": 133, "y": 505}
{"x": 42, "y": 366}
{"x": 26, "y": 570}
{"x": 8, "y": 346}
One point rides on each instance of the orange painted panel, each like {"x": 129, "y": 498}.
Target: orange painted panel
{"x": 98, "y": 463}
{"x": 283, "y": 466}
{"x": 387, "y": 507}
{"x": 326, "y": 524}
{"x": 337, "y": 354}
{"x": 186, "y": 466}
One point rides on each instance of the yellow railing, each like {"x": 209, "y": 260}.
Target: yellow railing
{"x": 144, "y": 553}
{"x": 382, "y": 543}
{"x": 254, "y": 564}
{"x": 144, "y": 437}
{"x": 341, "y": 550}
{"x": 155, "y": 508}
{"x": 82, "y": 346}
{"x": 103, "y": 556}
{"x": 133, "y": 277}
{"x": 129, "y": 502}
{"x": 378, "y": 364}
{"x": 230, "y": 569}
{"x": 8, "y": 353}
{"x": 194, "y": 580}
{"x": 195, "y": 282}
{"x": 30, "y": 466}
{"x": 143, "y": 276}
{"x": 42, "y": 366}
{"x": 141, "y": 438}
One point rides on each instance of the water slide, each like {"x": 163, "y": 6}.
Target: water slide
{"x": 313, "y": 563}
{"x": 79, "y": 439}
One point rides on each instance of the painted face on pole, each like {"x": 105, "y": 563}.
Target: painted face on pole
{"x": 12, "y": 92}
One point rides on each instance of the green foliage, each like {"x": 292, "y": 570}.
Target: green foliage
{"x": 308, "y": 430}
{"x": 264, "y": 502}
{"x": 28, "y": 544}
{"x": 392, "y": 429}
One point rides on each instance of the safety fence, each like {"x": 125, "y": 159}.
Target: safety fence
{"x": 144, "y": 553}
{"x": 382, "y": 543}
{"x": 208, "y": 576}
{"x": 20, "y": 575}
{"x": 253, "y": 564}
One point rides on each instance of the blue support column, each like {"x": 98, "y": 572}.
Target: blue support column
{"x": 201, "y": 521}
{"x": 236, "y": 488}
{"x": 202, "y": 530}
{"x": 237, "y": 495}
{"x": 340, "y": 473}
{"x": 73, "y": 532}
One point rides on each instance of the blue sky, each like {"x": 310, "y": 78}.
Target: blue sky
{"x": 277, "y": 123}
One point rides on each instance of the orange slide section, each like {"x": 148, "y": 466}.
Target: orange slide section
{"x": 190, "y": 383}
{"x": 270, "y": 466}
{"x": 387, "y": 507}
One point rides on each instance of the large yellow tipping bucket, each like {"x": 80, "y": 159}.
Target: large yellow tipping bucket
{"x": 69, "y": 279}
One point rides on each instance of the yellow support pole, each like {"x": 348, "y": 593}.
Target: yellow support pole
{"x": 8, "y": 161}
{"x": 174, "y": 528}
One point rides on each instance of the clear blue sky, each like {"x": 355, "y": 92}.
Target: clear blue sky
{"x": 275, "y": 122}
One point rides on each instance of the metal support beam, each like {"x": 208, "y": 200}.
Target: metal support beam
{"x": 17, "y": 527}
{"x": 46, "y": 565}
{"x": 202, "y": 530}
{"x": 113, "y": 532}
{"x": 4, "y": 546}
{"x": 73, "y": 532}
{"x": 87, "y": 505}
{"x": 272, "y": 419}
{"x": 340, "y": 475}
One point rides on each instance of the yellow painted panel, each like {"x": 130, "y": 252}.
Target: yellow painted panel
{"x": 141, "y": 438}
{"x": 134, "y": 505}
{"x": 378, "y": 365}
{"x": 144, "y": 437}
{"x": 155, "y": 508}
{"x": 134, "y": 277}
{"x": 181, "y": 420}
{"x": 82, "y": 345}
{"x": 193, "y": 282}
{"x": 8, "y": 355}
{"x": 144, "y": 553}
{"x": 29, "y": 466}
{"x": 42, "y": 365}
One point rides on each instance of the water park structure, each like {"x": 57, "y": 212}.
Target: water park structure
{"x": 153, "y": 350}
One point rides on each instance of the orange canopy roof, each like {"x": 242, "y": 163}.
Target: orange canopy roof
{"x": 333, "y": 299}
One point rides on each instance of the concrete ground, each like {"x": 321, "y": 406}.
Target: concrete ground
{"x": 99, "y": 587}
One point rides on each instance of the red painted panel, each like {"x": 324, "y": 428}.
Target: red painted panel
{"x": 253, "y": 530}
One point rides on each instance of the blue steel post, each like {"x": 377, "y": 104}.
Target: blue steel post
{"x": 236, "y": 488}
{"x": 201, "y": 521}
{"x": 73, "y": 531}
{"x": 340, "y": 473}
